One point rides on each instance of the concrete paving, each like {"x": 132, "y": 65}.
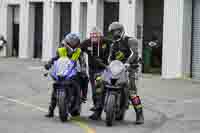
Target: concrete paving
{"x": 170, "y": 106}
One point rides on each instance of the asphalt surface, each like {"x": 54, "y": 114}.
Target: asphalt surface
{"x": 24, "y": 98}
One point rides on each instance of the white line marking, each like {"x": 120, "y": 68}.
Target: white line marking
{"x": 82, "y": 125}
{"x": 24, "y": 104}
{"x": 35, "y": 68}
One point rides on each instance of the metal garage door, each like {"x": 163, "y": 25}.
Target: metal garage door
{"x": 196, "y": 40}
{"x": 65, "y": 19}
{"x": 111, "y": 13}
{"x": 38, "y": 34}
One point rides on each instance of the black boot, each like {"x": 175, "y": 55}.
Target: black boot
{"x": 94, "y": 99}
{"x": 96, "y": 115}
{"x": 139, "y": 116}
{"x": 93, "y": 109}
{"x": 94, "y": 105}
{"x": 97, "y": 112}
{"x": 138, "y": 109}
{"x": 50, "y": 112}
{"x": 52, "y": 105}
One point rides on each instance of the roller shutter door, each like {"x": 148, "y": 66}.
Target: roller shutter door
{"x": 196, "y": 40}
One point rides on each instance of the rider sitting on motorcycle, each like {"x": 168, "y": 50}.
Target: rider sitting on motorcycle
{"x": 69, "y": 49}
{"x": 125, "y": 49}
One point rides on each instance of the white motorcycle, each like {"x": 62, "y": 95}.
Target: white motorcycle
{"x": 116, "y": 91}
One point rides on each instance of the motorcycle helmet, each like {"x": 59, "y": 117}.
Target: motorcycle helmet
{"x": 71, "y": 42}
{"x": 117, "y": 30}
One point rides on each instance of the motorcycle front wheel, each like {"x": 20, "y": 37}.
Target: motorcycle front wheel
{"x": 63, "y": 115}
{"x": 110, "y": 110}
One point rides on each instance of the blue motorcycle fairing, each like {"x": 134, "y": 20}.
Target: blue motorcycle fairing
{"x": 69, "y": 70}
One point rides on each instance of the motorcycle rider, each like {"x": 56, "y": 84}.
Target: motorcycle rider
{"x": 97, "y": 48}
{"x": 125, "y": 49}
{"x": 69, "y": 48}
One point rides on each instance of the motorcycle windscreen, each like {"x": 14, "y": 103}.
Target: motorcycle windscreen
{"x": 121, "y": 78}
{"x": 64, "y": 67}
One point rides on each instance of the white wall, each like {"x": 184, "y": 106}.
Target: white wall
{"x": 25, "y": 48}
{"x": 75, "y": 13}
{"x": 3, "y": 23}
{"x": 1, "y": 14}
{"x": 100, "y": 14}
{"x": 131, "y": 16}
{"x": 56, "y": 27}
{"x": 177, "y": 29}
{"x": 50, "y": 30}
{"x": 9, "y": 30}
{"x": 95, "y": 12}
{"x": 83, "y": 20}
{"x": 32, "y": 29}
{"x": 13, "y": 1}
{"x": 127, "y": 15}
{"x": 139, "y": 22}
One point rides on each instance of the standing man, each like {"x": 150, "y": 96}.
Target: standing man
{"x": 125, "y": 49}
{"x": 97, "y": 48}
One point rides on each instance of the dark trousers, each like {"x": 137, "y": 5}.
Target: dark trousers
{"x": 93, "y": 75}
{"x": 83, "y": 81}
